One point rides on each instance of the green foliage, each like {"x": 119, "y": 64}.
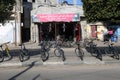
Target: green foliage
{"x": 102, "y": 10}
{"x": 6, "y": 7}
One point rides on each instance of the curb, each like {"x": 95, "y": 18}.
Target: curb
{"x": 10, "y": 64}
{"x": 40, "y": 63}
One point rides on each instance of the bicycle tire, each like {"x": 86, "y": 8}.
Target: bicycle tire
{"x": 78, "y": 52}
{"x": 92, "y": 50}
{"x": 44, "y": 56}
{"x": 99, "y": 54}
{"x": 1, "y": 57}
{"x": 21, "y": 57}
{"x": 116, "y": 54}
{"x": 57, "y": 53}
{"x": 26, "y": 54}
{"x": 62, "y": 54}
{"x": 81, "y": 53}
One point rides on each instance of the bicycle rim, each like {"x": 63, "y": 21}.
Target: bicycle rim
{"x": 100, "y": 57}
{"x": 26, "y": 55}
{"x": 57, "y": 53}
{"x": 62, "y": 55}
{"x": 116, "y": 55}
{"x": 44, "y": 56}
{"x": 99, "y": 54}
{"x": 21, "y": 57}
{"x": 77, "y": 52}
{"x": 81, "y": 53}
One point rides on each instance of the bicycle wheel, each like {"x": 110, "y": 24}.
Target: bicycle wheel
{"x": 44, "y": 56}
{"x": 26, "y": 54}
{"x": 21, "y": 57}
{"x": 116, "y": 54}
{"x": 92, "y": 50}
{"x": 62, "y": 54}
{"x": 57, "y": 53}
{"x": 99, "y": 54}
{"x": 79, "y": 52}
{"x": 1, "y": 57}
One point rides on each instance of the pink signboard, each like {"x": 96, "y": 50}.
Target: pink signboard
{"x": 56, "y": 17}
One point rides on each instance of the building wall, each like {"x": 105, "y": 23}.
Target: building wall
{"x": 100, "y": 32}
{"x": 101, "y": 29}
{"x": 47, "y": 9}
{"x": 7, "y": 33}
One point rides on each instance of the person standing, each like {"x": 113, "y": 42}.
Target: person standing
{"x": 110, "y": 33}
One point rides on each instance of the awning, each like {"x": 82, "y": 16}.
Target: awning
{"x": 69, "y": 17}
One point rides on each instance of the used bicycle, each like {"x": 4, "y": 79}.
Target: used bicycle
{"x": 24, "y": 53}
{"x": 44, "y": 51}
{"x": 79, "y": 52}
{"x": 112, "y": 51}
{"x": 94, "y": 50}
{"x": 5, "y": 52}
{"x": 58, "y": 52}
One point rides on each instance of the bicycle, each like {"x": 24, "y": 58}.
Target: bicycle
{"x": 44, "y": 51}
{"x": 79, "y": 52}
{"x": 58, "y": 52}
{"x": 112, "y": 50}
{"x": 24, "y": 53}
{"x": 94, "y": 50}
{"x": 5, "y": 52}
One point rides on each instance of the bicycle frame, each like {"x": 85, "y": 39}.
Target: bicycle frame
{"x": 6, "y": 51}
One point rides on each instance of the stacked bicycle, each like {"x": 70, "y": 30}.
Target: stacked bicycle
{"x": 111, "y": 50}
{"x": 5, "y": 53}
{"x": 94, "y": 50}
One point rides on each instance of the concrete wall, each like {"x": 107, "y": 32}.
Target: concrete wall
{"x": 6, "y": 33}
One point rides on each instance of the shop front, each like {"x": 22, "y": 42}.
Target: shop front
{"x": 66, "y": 27}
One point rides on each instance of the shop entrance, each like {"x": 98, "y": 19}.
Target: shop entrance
{"x": 46, "y": 32}
{"x": 65, "y": 31}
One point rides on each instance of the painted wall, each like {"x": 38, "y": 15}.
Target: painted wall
{"x": 101, "y": 30}
{"x": 6, "y": 33}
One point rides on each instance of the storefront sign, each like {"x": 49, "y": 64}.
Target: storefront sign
{"x": 56, "y": 17}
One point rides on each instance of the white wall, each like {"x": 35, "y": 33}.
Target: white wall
{"x": 6, "y": 33}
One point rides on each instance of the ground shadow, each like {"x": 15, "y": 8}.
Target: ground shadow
{"x": 17, "y": 75}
